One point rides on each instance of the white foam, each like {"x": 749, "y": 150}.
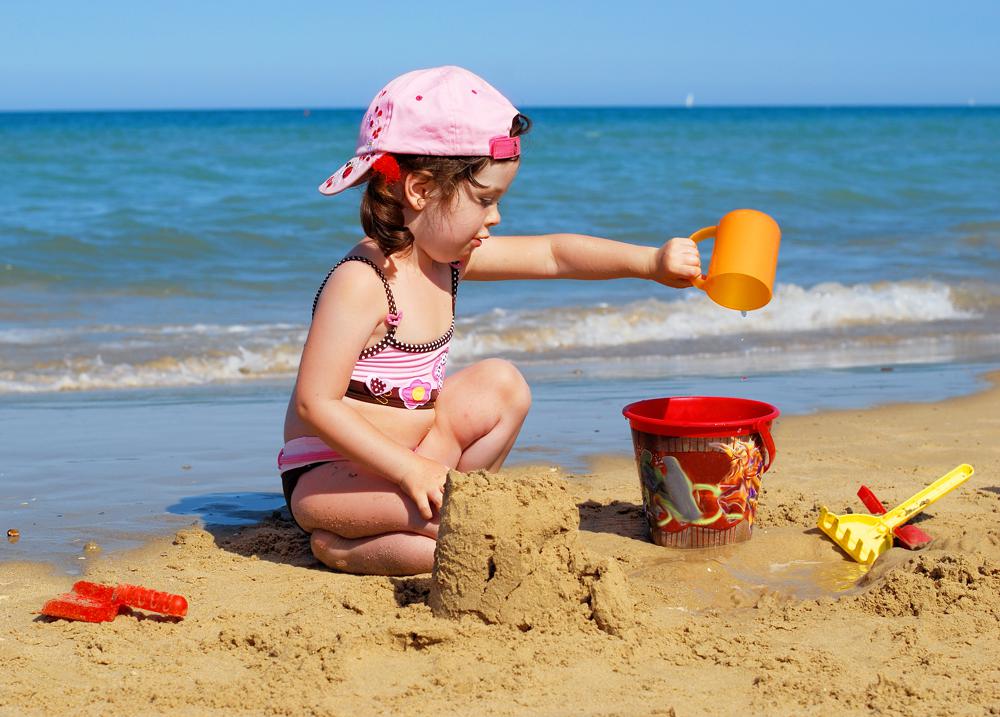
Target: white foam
{"x": 219, "y": 329}
{"x": 96, "y": 373}
{"x": 793, "y": 309}
{"x": 810, "y": 321}
{"x": 26, "y": 336}
{"x": 33, "y": 335}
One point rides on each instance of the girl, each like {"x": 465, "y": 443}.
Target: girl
{"x": 372, "y": 425}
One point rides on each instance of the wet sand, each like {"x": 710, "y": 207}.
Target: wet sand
{"x": 783, "y": 624}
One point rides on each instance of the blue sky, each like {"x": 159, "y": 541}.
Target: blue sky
{"x": 221, "y": 53}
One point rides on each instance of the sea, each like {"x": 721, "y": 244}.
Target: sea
{"x": 157, "y": 271}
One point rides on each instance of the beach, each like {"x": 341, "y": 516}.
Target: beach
{"x": 167, "y": 227}
{"x": 782, "y": 624}
{"x": 152, "y": 316}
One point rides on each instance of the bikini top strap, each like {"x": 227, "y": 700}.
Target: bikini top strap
{"x": 385, "y": 282}
{"x": 455, "y": 271}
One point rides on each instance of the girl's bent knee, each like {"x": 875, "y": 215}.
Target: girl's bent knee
{"x": 509, "y": 383}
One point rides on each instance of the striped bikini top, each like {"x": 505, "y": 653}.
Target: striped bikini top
{"x": 392, "y": 372}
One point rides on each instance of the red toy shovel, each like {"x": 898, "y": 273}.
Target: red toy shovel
{"x": 93, "y": 602}
{"x": 909, "y": 536}
{"x": 72, "y": 606}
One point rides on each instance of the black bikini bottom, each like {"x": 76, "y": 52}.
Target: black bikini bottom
{"x": 290, "y": 479}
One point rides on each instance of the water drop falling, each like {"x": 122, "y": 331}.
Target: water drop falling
{"x": 744, "y": 314}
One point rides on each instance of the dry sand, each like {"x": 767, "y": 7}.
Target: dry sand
{"x": 541, "y": 608}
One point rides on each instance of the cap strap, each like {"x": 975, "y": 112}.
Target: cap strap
{"x": 505, "y": 147}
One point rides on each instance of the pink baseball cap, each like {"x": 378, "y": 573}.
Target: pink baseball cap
{"x": 442, "y": 111}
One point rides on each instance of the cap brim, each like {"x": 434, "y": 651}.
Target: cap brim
{"x": 352, "y": 172}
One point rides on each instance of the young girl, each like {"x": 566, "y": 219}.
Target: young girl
{"x": 372, "y": 425}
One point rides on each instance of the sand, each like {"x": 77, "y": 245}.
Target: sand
{"x": 548, "y": 599}
{"x": 530, "y": 572}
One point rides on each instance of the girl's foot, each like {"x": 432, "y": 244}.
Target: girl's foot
{"x": 386, "y": 554}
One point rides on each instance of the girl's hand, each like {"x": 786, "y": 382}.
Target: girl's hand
{"x": 676, "y": 263}
{"x": 426, "y": 487}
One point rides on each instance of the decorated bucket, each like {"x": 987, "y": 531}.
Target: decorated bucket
{"x": 700, "y": 461}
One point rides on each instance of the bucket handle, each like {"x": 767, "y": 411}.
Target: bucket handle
{"x": 764, "y": 430}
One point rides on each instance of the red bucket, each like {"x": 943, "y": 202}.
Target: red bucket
{"x": 700, "y": 461}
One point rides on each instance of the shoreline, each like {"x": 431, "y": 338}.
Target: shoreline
{"x": 781, "y": 624}
{"x": 200, "y": 460}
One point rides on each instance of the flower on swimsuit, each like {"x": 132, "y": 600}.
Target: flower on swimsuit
{"x": 416, "y": 394}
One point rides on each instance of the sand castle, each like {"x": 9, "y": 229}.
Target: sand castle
{"x": 508, "y": 553}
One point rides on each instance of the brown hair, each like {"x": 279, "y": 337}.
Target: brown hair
{"x": 382, "y": 213}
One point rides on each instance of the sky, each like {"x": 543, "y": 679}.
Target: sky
{"x": 183, "y": 54}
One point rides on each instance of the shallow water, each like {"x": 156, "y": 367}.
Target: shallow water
{"x": 791, "y": 563}
{"x": 117, "y": 467}
{"x": 780, "y": 564}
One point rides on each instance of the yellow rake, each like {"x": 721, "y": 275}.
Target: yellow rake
{"x": 865, "y": 537}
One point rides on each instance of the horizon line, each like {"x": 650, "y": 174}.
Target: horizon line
{"x": 681, "y": 106}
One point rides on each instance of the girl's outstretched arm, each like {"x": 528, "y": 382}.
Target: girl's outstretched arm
{"x": 577, "y": 256}
{"x": 351, "y": 306}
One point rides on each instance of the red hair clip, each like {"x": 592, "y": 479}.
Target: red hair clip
{"x": 388, "y": 167}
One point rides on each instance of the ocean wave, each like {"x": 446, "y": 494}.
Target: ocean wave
{"x": 35, "y": 335}
{"x": 799, "y": 320}
{"x": 95, "y": 373}
{"x": 793, "y": 309}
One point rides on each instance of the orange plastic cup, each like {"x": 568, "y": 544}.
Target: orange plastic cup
{"x": 744, "y": 260}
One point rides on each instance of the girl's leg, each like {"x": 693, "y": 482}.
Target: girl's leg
{"x": 351, "y": 502}
{"x": 386, "y": 554}
{"x": 362, "y": 523}
{"x": 478, "y": 416}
